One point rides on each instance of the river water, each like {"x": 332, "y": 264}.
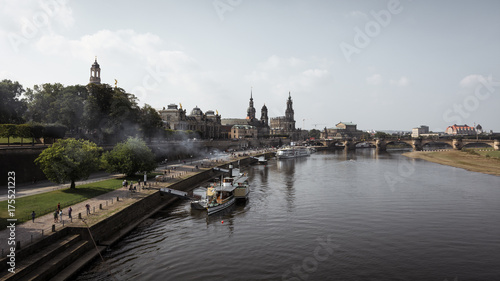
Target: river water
{"x": 332, "y": 216}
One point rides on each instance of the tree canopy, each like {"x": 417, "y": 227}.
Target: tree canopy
{"x": 129, "y": 157}
{"x": 69, "y": 160}
{"x": 12, "y": 105}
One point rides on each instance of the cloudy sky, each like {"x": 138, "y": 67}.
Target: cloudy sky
{"x": 381, "y": 64}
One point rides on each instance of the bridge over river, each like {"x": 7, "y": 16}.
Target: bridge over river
{"x": 416, "y": 144}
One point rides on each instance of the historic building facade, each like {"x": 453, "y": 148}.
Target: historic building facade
{"x": 463, "y": 130}
{"x": 261, "y": 125}
{"x": 207, "y": 124}
{"x": 285, "y": 125}
{"x": 95, "y": 73}
{"x": 342, "y": 130}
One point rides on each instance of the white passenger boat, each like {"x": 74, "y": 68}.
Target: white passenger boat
{"x": 293, "y": 152}
{"x": 221, "y": 195}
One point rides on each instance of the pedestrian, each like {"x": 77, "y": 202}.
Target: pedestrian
{"x": 33, "y": 216}
{"x": 55, "y": 216}
{"x": 88, "y": 209}
{"x": 69, "y": 214}
{"x": 60, "y": 216}
{"x": 58, "y": 207}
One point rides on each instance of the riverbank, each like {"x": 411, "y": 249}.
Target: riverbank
{"x": 460, "y": 159}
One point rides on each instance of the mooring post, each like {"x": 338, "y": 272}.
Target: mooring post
{"x": 79, "y": 216}
{"x": 42, "y": 232}
{"x": 100, "y": 206}
{"x": 117, "y": 198}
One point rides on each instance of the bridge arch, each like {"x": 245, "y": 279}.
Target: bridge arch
{"x": 477, "y": 145}
{"x": 436, "y": 145}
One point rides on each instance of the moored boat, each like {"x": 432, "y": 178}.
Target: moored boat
{"x": 293, "y": 152}
{"x": 222, "y": 194}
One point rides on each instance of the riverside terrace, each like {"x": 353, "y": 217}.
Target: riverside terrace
{"x": 65, "y": 248}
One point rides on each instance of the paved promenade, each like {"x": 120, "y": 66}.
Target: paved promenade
{"x": 29, "y": 232}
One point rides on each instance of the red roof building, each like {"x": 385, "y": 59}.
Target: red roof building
{"x": 460, "y": 130}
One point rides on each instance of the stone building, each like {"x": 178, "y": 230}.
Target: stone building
{"x": 208, "y": 124}
{"x": 261, "y": 125}
{"x": 284, "y": 125}
{"x": 461, "y": 130}
{"x": 243, "y": 131}
{"x": 417, "y": 132}
{"x": 95, "y": 73}
{"x": 342, "y": 130}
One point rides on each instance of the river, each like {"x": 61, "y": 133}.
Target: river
{"x": 333, "y": 216}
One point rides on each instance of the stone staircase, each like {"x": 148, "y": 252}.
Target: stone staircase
{"x": 55, "y": 260}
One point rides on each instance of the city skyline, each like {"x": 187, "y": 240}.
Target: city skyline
{"x": 384, "y": 65}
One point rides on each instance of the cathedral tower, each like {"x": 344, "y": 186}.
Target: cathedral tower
{"x": 263, "y": 115}
{"x": 251, "y": 109}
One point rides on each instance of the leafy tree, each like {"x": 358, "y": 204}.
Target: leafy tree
{"x": 69, "y": 160}
{"x": 7, "y": 131}
{"x": 129, "y": 157}
{"x": 314, "y": 133}
{"x": 54, "y": 103}
{"x": 12, "y": 105}
{"x": 150, "y": 121}
{"x": 381, "y": 135}
{"x": 110, "y": 112}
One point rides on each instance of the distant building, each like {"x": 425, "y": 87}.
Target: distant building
{"x": 285, "y": 125}
{"x": 461, "y": 130}
{"x": 243, "y": 131}
{"x": 208, "y": 124}
{"x": 95, "y": 73}
{"x": 262, "y": 125}
{"x": 417, "y": 132}
{"x": 342, "y": 130}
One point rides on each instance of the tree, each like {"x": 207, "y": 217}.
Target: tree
{"x": 129, "y": 157}
{"x": 150, "y": 121}
{"x": 12, "y": 106}
{"x": 110, "y": 112}
{"x": 69, "y": 160}
{"x": 56, "y": 104}
{"x": 314, "y": 133}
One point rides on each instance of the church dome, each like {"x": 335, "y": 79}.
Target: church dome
{"x": 196, "y": 111}
{"x": 264, "y": 107}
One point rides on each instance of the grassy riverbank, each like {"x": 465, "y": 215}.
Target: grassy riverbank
{"x": 482, "y": 162}
{"x": 45, "y": 203}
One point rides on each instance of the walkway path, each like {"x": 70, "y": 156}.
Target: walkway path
{"x": 29, "y": 232}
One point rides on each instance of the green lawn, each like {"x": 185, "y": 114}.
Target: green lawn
{"x": 492, "y": 153}
{"x": 45, "y": 203}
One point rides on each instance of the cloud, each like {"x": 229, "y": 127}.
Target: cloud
{"x": 403, "y": 81}
{"x": 470, "y": 80}
{"x": 23, "y": 22}
{"x": 375, "y": 79}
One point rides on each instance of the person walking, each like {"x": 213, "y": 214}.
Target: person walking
{"x": 69, "y": 214}
{"x": 55, "y": 216}
{"x": 58, "y": 207}
{"x": 88, "y": 209}
{"x": 33, "y": 216}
